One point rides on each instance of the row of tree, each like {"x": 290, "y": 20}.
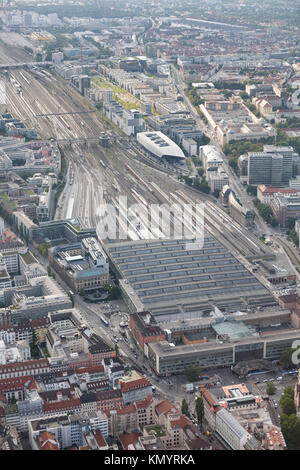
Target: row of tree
{"x": 265, "y": 212}
{"x": 290, "y": 423}
{"x": 199, "y": 410}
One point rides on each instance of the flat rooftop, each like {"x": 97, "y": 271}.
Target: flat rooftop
{"x": 234, "y": 330}
{"x": 164, "y": 350}
{"x": 170, "y": 273}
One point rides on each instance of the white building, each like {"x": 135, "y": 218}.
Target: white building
{"x": 161, "y": 146}
{"x": 98, "y": 420}
{"x": 190, "y": 146}
{"x": 57, "y": 58}
{"x": 7, "y": 334}
{"x": 67, "y": 430}
{"x": 11, "y": 259}
{"x": 231, "y": 431}
{"x": 211, "y": 157}
{"x": 217, "y": 179}
{"x": 18, "y": 352}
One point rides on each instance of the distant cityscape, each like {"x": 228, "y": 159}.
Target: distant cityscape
{"x": 149, "y": 227}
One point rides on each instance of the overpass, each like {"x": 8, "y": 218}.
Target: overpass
{"x": 19, "y": 65}
{"x": 65, "y": 113}
{"x": 84, "y": 140}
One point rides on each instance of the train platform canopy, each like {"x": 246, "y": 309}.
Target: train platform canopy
{"x": 168, "y": 276}
{"x": 160, "y": 145}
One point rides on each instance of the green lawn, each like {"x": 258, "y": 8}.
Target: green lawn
{"x": 28, "y": 258}
{"x": 120, "y": 95}
{"x": 7, "y": 200}
{"x": 158, "y": 431}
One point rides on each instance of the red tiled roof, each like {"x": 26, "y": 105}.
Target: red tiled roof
{"x": 267, "y": 190}
{"x": 62, "y": 405}
{"x": 6, "y": 327}
{"x": 145, "y": 402}
{"x": 90, "y": 370}
{"x": 134, "y": 384}
{"x": 274, "y": 436}
{"x": 99, "y": 438}
{"x": 131, "y": 438}
{"x": 18, "y": 366}
{"x": 208, "y": 396}
{"x": 182, "y": 422}
{"x": 38, "y": 322}
{"x": 46, "y": 441}
{"x": 126, "y": 409}
{"x": 164, "y": 406}
{"x": 17, "y": 383}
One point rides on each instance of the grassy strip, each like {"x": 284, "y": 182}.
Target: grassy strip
{"x": 123, "y": 97}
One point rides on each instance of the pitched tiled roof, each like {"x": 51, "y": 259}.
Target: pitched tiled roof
{"x": 99, "y": 438}
{"x": 46, "y": 441}
{"x": 126, "y": 409}
{"x": 90, "y": 370}
{"x": 17, "y": 383}
{"x": 6, "y": 327}
{"x": 182, "y": 422}
{"x": 39, "y": 322}
{"x": 145, "y": 402}
{"x": 208, "y": 396}
{"x": 74, "y": 403}
{"x": 108, "y": 394}
{"x": 25, "y": 365}
{"x": 135, "y": 384}
{"x": 127, "y": 439}
{"x": 164, "y": 406}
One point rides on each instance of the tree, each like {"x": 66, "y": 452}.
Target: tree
{"x": 290, "y": 223}
{"x": 244, "y": 95}
{"x": 72, "y": 298}
{"x": 216, "y": 193}
{"x": 43, "y": 248}
{"x": 288, "y": 406}
{"x": 81, "y": 291}
{"x": 185, "y": 408}
{"x": 286, "y": 358}
{"x": 290, "y": 427}
{"x": 288, "y": 392}
{"x": 233, "y": 163}
{"x": 114, "y": 293}
{"x": 199, "y": 410}
{"x": 117, "y": 350}
{"x": 271, "y": 389}
{"x": 201, "y": 185}
{"x": 287, "y": 401}
{"x": 252, "y": 190}
{"x": 192, "y": 374}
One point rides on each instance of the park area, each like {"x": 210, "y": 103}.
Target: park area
{"x": 123, "y": 97}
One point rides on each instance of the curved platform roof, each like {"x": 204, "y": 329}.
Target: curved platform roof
{"x": 160, "y": 145}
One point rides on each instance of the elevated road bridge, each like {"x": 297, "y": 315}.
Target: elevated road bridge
{"x": 65, "y": 113}
{"x": 19, "y": 65}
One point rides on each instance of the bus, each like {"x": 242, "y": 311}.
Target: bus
{"x": 256, "y": 372}
{"x": 104, "y": 321}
